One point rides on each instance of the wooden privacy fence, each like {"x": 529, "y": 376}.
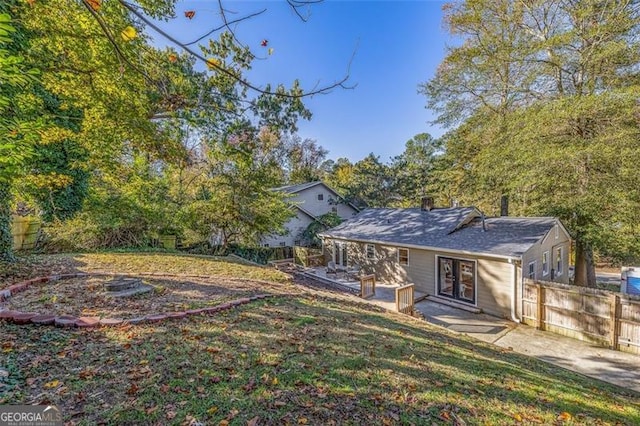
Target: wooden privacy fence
{"x": 367, "y": 286}
{"x": 308, "y": 257}
{"x": 405, "y": 299}
{"x": 599, "y": 316}
{"x": 24, "y": 231}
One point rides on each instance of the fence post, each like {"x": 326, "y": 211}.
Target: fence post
{"x": 541, "y": 312}
{"x": 615, "y": 323}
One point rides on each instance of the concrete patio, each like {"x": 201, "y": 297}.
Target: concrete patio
{"x": 385, "y": 292}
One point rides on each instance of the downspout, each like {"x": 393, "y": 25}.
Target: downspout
{"x": 514, "y": 289}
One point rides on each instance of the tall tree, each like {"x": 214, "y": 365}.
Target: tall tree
{"x": 546, "y": 94}
{"x": 304, "y": 158}
{"x": 413, "y": 169}
{"x": 17, "y": 125}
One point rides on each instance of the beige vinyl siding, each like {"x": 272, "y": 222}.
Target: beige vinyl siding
{"x": 386, "y": 267}
{"x": 494, "y": 276}
{"x": 495, "y": 286}
{"x": 549, "y": 243}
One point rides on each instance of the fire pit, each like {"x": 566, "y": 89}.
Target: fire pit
{"x": 125, "y": 287}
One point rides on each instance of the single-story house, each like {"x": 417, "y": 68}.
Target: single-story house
{"x": 309, "y": 201}
{"x": 455, "y": 254}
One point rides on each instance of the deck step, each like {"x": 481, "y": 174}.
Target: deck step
{"x": 453, "y": 304}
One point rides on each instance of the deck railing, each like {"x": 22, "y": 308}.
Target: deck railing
{"x": 367, "y": 286}
{"x": 405, "y": 299}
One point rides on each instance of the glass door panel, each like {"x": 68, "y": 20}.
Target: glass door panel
{"x": 466, "y": 281}
{"x": 445, "y": 276}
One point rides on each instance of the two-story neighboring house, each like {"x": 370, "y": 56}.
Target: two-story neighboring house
{"x": 309, "y": 200}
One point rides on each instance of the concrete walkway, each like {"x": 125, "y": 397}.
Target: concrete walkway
{"x": 619, "y": 368}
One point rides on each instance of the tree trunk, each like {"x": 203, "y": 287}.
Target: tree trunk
{"x": 6, "y": 239}
{"x": 585, "y": 272}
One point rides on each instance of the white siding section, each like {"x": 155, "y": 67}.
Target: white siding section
{"x": 294, "y": 227}
{"x": 307, "y": 200}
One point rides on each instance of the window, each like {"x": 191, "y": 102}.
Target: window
{"x": 545, "y": 263}
{"x": 282, "y": 244}
{"x": 320, "y": 197}
{"x": 403, "y": 256}
{"x": 557, "y": 232}
{"x": 296, "y": 242}
{"x": 371, "y": 251}
{"x": 266, "y": 244}
{"x": 457, "y": 279}
{"x": 559, "y": 261}
{"x": 532, "y": 270}
{"x": 334, "y": 209}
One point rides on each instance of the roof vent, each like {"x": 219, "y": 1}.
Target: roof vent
{"x": 427, "y": 204}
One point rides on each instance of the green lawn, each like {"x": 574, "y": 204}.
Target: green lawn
{"x": 316, "y": 358}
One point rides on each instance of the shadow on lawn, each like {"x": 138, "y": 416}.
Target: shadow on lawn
{"x": 316, "y": 360}
{"x": 357, "y": 367}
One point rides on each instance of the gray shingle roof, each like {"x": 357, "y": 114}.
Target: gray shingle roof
{"x": 442, "y": 228}
{"x": 292, "y": 189}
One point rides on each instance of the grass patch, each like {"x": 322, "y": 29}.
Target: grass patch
{"x": 312, "y": 358}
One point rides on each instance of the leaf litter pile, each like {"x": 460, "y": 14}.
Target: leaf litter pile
{"x": 314, "y": 358}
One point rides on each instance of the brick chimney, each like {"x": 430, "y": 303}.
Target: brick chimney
{"x": 427, "y": 204}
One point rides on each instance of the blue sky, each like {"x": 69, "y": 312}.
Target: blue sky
{"x": 391, "y": 46}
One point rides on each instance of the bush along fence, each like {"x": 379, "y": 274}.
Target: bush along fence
{"x": 599, "y": 316}
{"x": 24, "y": 231}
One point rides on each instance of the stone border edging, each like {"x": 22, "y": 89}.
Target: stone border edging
{"x": 30, "y": 318}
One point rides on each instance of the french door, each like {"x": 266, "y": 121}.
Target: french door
{"x": 340, "y": 254}
{"x": 457, "y": 279}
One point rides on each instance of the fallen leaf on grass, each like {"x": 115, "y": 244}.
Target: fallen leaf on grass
{"x": 151, "y": 410}
{"x": 517, "y": 417}
{"x": 302, "y": 421}
{"x": 133, "y": 389}
{"x": 52, "y": 384}
{"x": 564, "y": 416}
{"x": 253, "y": 421}
{"x": 212, "y": 410}
{"x": 170, "y": 415}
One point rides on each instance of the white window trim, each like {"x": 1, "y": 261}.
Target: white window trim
{"x": 529, "y": 270}
{"x": 545, "y": 273}
{"x": 559, "y": 271}
{"x": 373, "y": 246}
{"x": 398, "y": 254}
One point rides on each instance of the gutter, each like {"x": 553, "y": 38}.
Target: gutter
{"x": 514, "y": 291}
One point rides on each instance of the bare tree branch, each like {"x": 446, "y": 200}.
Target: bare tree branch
{"x": 226, "y": 24}
{"x": 295, "y": 4}
{"x": 133, "y": 9}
